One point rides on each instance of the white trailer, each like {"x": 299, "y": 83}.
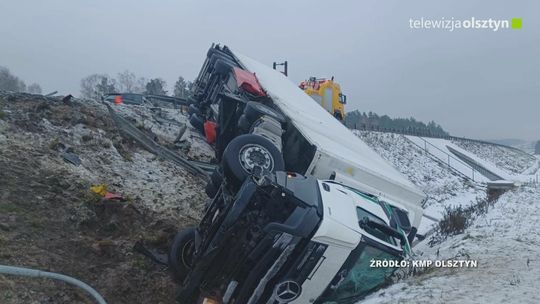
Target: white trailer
{"x": 340, "y": 154}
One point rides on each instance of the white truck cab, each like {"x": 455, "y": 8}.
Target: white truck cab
{"x": 343, "y": 209}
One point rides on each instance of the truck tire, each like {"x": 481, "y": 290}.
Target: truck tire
{"x": 254, "y": 110}
{"x": 180, "y": 253}
{"x": 245, "y": 152}
{"x": 244, "y": 124}
{"x": 197, "y": 122}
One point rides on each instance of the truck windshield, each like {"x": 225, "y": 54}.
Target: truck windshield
{"x": 356, "y": 278}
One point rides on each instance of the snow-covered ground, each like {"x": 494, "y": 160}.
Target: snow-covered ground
{"x": 442, "y": 186}
{"x": 510, "y": 160}
{"x": 441, "y": 149}
{"x": 505, "y": 242}
{"x": 165, "y": 124}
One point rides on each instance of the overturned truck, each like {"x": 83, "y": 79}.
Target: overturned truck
{"x": 299, "y": 205}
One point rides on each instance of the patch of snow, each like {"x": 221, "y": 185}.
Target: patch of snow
{"x": 505, "y": 242}
{"x": 511, "y": 160}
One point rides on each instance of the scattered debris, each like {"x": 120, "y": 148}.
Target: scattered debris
{"x": 50, "y": 218}
{"x": 71, "y": 158}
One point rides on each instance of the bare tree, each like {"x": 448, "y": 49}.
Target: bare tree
{"x": 96, "y": 85}
{"x": 128, "y": 82}
{"x": 140, "y": 86}
{"x": 34, "y": 88}
{"x": 10, "y": 82}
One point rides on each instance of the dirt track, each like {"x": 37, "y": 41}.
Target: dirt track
{"x": 50, "y": 220}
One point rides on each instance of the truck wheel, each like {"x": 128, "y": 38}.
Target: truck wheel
{"x": 254, "y": 110}
{"x": 180, "y": 253}
{"x": 197, "y": 122}
{"x": 245, "y": 152}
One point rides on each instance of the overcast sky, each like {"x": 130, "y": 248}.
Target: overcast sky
{"x": 475, "y": 83}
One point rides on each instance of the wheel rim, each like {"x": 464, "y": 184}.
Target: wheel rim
{"x": 252, "y": 155}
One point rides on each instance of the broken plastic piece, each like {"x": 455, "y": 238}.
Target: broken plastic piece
{"x": 71, "y": 158}
{"x": 100, "y": 189}
{"x": 153, "y": 254}
{"x": 113, "y": 196}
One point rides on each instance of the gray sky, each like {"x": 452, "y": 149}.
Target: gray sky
{"x": 475, "y": 83}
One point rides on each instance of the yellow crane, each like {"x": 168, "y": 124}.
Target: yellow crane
{"x": 327, "y": 93}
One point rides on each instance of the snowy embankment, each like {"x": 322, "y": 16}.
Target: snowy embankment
{"x": 444, "y": 149}
{"x": 511, "y": 160}
{"x": 505, "y": 242}
{"x": 442, "y": 186}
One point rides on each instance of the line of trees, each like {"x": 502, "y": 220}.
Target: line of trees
{"x": 10, "y": 82}
{"x": 96, "y": 85}
{"x": 372, "y": 121}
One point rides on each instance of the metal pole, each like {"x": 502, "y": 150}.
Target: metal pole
{"x": 20, "y": 271}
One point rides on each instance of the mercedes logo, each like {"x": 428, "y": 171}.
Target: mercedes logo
{"x": 287, "y": 291}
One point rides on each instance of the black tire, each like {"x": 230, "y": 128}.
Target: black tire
{"x": 197, "y": 122}
{"x": 179, "y": 254}
{"x": 246, "y": 151}
{"x": 244, "y": 124}
{"x": 254, "y": 110}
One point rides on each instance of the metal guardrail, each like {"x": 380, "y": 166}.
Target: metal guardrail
{"x": 194, "y": 167}
{"x": 478, "y": 167}
{"x": 450, "y": 157}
